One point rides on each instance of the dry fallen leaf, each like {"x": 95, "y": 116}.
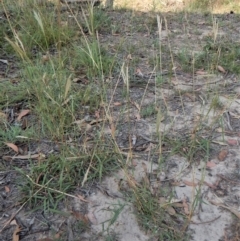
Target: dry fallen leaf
{"x": 13, "y": 222}
{"x": 82, "y": 198}
{"x": 191, "y": 97}
{"x": 162, "y": 200}
{"x": 138, "y": 116}
{"x": 211, "y": 164}
{"x": 188, "y": 183}
{"x": 91, "y": 217}
{"x": 79, "y": 122}
{"x": 81, "y": 217}
{"x": 221, "y": 69}
{"x": 232, "y": 142}
{"x": 185, "y": 206}
{"x": 64, "y": 23}
{"x": 171, "y": 210}
{"x": 24, "y": 123}
{"x": 134, "y": 163}
{"x": 222, "y": 155}
{"x": 178, "y": 205}
{"x": 179, "y": 184}
{"x": 22, "y": 113}
{"x": 210, "y": 185}
{"x": 12, "y": 146}
{"x": 45, "y": 58}
{"x": 139, "y": 72}
{"x": 76, "y": 80}
{"x": 7, "y": 158}
{"x": 150, "y": 147}
{"x": 82, "y": 125}
{"x": 161, "y": 176}
{"x": 58, "y": 235}
{"x": 129, "y": 57}
{"x": 174, "y": 81}
{"x": 201, "y": 72}
{"x": 16, "y": 233}
{"x": 112, "y": 128}
{"x": 117, "y": 103}
{"x": 97, "y": 114}
{"x": 7, "y": 189}
{"x": 220, "y": 143}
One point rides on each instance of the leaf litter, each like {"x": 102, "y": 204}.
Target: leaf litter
{"x": 108, "y": 211}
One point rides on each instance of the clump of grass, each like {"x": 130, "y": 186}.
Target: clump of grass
{"x": 11, "y": 93}
{"x": 216, "y": 103}
{"x": 185, "y": 59}
{"x": 5, "y": 31}
{"x": 49, "y": 182}
{"x": 93, "y": 59}
{"x": 223, "y": 53}
{"x": 160, "y": 80}
{"x": 148, "y": 111}
{"x": 38, "y": 28}
{"x": 213, "y": 54}
{"x": 191, "y": 147}
{"x": 95, "y": 20}
{"x": 55, "y": 97}
{"x": 11, "y": 133}
{"x": 59, "y": 105}
{"x": 153, "y": 215}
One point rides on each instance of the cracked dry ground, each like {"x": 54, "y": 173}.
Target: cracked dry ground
{"x": 197, "y": 116}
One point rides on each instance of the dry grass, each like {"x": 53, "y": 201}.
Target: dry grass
{"x": 215, "y": 6}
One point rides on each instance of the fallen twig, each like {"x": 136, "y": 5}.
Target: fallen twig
{"x": 210, "y": 221}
